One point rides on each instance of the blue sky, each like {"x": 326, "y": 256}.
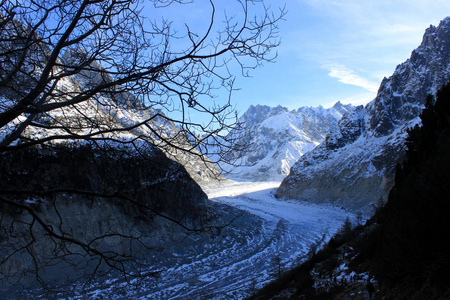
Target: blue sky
{"x": 339, "y": 50}
{"x": 332, "y": 50}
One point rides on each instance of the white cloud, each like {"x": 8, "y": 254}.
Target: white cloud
{"x": 348, "y": 76}
{"x": 353, "y": 42}
{"x": 374, "y": 35}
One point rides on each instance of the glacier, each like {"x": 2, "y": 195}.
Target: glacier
{"x": 237, "y": 262}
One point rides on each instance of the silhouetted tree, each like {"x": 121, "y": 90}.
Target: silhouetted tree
{"x": 410, "y": 255}
{"x": 68, "y": 72}
{"x": 61, "y": 59}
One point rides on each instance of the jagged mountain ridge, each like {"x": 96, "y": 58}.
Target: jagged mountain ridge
{"x": 276, "y": 138}
{"x": 354, "y": 167}
{"x": 126, "y": 112}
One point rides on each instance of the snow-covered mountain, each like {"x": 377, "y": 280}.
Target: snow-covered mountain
{"x": 354, "y": 167}
{"x": 276, "y": 138}
{"x": 107, "y": 112}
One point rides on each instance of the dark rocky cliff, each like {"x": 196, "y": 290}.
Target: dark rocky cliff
{"x": 401, "y": 97}
{"x": 117, "y": 203}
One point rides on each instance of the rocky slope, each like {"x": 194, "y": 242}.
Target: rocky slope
{"x": 109, "y": 210}
{"x": 124, "y": 110}
{"x": 276, "y": 138}
{"x": 102, "y": 112}
{"x": 354, "y": 167}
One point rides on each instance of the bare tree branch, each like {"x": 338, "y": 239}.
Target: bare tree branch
{"x": 136, "y": 63}
{"x": 113, "y": 77}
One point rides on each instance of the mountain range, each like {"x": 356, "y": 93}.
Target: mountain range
{"x": 276, "y": 138}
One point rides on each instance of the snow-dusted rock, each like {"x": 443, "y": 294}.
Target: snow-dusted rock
{"x": 277, "y": 138}
{"x": 354, "y": 167}
{"x": 106, "y": 111}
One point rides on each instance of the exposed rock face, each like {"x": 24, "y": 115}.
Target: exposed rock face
{"x": 354, "y": 167}
{"x": 65, "y": 185}
{"x": 401, "y": 97}
{"x": 277, "y": 138}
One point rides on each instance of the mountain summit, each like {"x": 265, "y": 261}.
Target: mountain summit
{"x": 277, "y": 138}
{"x": 354, "y": 166}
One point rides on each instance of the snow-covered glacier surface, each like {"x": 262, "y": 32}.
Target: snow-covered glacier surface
{"x": 239, "y": 260}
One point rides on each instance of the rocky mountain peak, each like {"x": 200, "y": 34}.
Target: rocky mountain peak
{"x": 401, "y": 97}
{"x": 354, "y": 167}
{"x": 277, "y": 138}
{"x": 258, "y": 113}
{"x": 338, "y": 106}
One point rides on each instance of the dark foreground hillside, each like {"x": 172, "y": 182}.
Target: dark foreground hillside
{"x": 77, "y": 212}
{"x": 410, "y": 256}
{"x": 403, "y": 248}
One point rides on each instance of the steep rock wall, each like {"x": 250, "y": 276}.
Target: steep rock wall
{"x": 114, "y": 202}
{"x": 354, "y": 167}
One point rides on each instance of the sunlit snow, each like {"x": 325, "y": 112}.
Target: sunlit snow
{"x": 241, "y": 259}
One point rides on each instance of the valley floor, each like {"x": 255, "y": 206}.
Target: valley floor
{"x": 267, "y": 236}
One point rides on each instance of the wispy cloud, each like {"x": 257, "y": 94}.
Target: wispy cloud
{"x": 369, "y": 35}
{"x": 348, "y": 76}
{"x": 384, "y": 22}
